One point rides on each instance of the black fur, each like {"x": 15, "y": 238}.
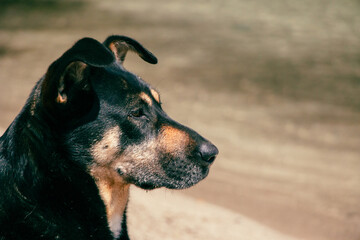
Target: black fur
{"x": 46, "y": 190}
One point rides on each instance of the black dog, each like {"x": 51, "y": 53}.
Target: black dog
{"x": 88, "y": 130}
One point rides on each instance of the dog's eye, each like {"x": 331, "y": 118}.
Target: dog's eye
{"x": 138, "y": 113}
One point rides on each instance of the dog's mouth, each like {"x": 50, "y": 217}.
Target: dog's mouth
{"x": 144, "y": 184}
{"x": 174, "y": 174}
{"x": 147, "y": 186}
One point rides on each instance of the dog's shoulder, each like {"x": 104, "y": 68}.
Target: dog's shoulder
{"x": 42, "y": 194}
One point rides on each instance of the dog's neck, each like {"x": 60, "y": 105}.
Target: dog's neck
{"x": 115, "y": 193}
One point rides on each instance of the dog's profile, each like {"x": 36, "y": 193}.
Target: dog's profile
{"x": 88, "y": 131}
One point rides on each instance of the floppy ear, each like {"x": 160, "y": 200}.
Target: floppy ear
{"x": 120, "y": 45}
{"x": 65, "y": 84}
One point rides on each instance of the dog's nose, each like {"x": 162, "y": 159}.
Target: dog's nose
{"x": 208, "y": 152}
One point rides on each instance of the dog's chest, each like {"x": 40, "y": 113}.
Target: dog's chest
{"x": 115, "y": 193}
{"x": 115, "y": 225}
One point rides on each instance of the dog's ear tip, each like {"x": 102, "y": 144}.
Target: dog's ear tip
{"x": 152, "y": 59}
{"x": 120, "y": 45}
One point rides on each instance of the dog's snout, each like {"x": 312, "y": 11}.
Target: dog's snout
{"x": 208, "y": 152}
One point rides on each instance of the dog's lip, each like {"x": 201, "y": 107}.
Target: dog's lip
{"x": 147, "y": 186}
{"x": 119, "y": 171}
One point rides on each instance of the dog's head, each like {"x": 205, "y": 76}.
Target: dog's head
{"x": 111, "y": 120}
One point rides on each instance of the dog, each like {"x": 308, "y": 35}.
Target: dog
{"x": 88, "y": 131}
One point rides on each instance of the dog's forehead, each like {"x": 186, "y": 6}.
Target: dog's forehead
{"x": 116, "y": 81}
{"x": 111, "y": 81}
{"x": 128, "y": 80}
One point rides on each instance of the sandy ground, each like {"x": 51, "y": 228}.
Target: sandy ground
{"x": 275, "y": 87}
{"x": 169, "y": 215}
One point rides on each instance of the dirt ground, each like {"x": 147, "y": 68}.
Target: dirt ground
{"x": 276, "y": 86}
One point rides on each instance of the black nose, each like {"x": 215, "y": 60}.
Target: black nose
{"x": 208, "y": 152}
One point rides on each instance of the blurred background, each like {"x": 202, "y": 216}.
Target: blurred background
{"x": 274, "y": 84}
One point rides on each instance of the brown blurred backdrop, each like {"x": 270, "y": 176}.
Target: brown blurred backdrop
{"x": 274, "y": 84}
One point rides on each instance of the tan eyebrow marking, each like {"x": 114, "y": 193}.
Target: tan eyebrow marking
{"x": 155, "y": 94}
{"x": 146, "y": 98}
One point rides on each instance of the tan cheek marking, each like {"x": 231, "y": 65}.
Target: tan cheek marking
{"x": 140, "y": 157}
{"x": 155, "y": 95}
{"x": 104, "y": 151}
{"x": 146, "y": 98}
{"x": 173, "y": 140}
